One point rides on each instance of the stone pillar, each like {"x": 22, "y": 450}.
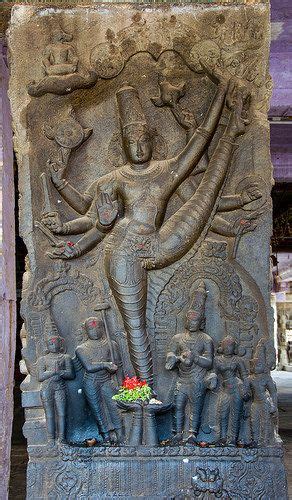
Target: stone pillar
{"x": 7, "y": 278}
{"x": 145, "y": 176}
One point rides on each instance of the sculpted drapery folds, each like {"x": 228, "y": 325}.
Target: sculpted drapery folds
{"x": 139, "y": 238}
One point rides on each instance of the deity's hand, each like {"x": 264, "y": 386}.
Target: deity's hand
{"x": 187, "y": 358}
{"x": 211, "y": 381}
{"x": 148, "y": 264}
{"x": 107, "y": 209}
{"x": 215, "y": 74}
{"x": 57, "y": 171}
{"x": 237, "y": 96}
{"x": 110, "y": 367}
{"x": 171, "y": 362}
{"x": 64, "y": 250}
{"x": 53, "y": 222}
{"x": 243, "y": 225}
{"x": 251, "y": 193}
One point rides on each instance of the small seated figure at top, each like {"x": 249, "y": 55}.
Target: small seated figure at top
{"x": 234, "y": 390}
{"x": 191, "y": 353}
{"x": 63, "y": 71}
{"x": 59, "y": 57}
{"x": 100, "y": 359}
{"x": 53, "y": 369}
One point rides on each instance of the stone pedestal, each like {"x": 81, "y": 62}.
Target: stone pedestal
{"x": 168, "y": 473}
{"x": 143, "y": 148}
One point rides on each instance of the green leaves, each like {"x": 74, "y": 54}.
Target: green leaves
{"x": 131, "y": 395}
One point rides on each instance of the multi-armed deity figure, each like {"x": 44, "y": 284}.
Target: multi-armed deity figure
{"x": 234, "y": 390}
{"x": 191, "y": 352}
{"x": 264, "y": 397}
{"x": 139, "y": 237}
{"x": 54, "y": 368}
{"x": 100, "y": 360}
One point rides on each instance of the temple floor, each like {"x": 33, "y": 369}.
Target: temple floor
{"x": 19, "y": 454}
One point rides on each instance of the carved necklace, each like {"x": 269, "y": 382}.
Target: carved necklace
{"x": 153, "y": 170}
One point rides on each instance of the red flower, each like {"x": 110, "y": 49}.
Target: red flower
{"x": 133, "y": 383}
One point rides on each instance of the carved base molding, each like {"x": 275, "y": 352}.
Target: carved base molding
{"x": 164, "y": 472}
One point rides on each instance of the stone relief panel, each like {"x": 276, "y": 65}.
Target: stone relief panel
{"x": 145, "y": 183}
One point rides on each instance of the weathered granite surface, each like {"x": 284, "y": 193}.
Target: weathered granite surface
{"x": 145, "y": 176}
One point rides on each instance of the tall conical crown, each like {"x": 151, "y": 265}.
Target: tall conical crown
{"x": 199, "y": 298}
{"x": 130, "y": 108}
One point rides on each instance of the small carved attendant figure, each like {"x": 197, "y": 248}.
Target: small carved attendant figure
{"x": 264, "y": 402}
{"x": 53, "y": 369}
{"x": 192, "y": 353}
{"x": 100, "y": 359}
{"x": 59, "y": 57}
{"x": 234, "y": 390}
{"x": 62, "y": 68}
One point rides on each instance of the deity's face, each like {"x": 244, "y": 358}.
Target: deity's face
{"x": 256, "y": 366}
{"x": 193, "y": 321}
{"x": 137, "y": 143}
{"x": 54, "y": 344}
{"x": 228, "y": 347}
{"x": 95, "y": 328}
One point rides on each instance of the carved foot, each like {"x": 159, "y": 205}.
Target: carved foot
{"x": 192, "y": 439}
{"x": 177, "y": 438}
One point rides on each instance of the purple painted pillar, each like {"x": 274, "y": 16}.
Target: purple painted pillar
{"x": 281, "y": 56}
{"x": 7, "y": 279}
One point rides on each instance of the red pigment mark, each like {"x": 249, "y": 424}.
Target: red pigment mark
{"x": 93, "y": 323}
{"x": 192, "y": 315}
{"x": 70, "y": 243}
{"x": 242, "y": 222}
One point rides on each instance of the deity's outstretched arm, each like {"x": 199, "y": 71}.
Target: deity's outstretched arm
{"x": 76, "y": 200}
{"x": 222, "y": 226}
{"x": 230, "y": 202}
{"x": 182, "y": 165}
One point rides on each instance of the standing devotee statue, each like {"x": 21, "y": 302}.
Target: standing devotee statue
{"x": 139, "y": 238}
{"x": 263, "y": 412}
{"x": 100, "y": 360}
{"x": 234, "y": 390}
{"x": 54, "y": 368}
{"x": 191, "y": 353}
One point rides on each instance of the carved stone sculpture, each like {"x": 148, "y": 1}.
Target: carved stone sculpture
{"x": 264, "y": 399}
{"x": 146, "y": 244}
{"x": 100, "y": 360}
{"x": 235, "y": 390}
{"x": 145, "y": 208}
{"x": 62, "y": 68}
{"x": 192, "y": 353}
{"x": 54, "y": 368}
